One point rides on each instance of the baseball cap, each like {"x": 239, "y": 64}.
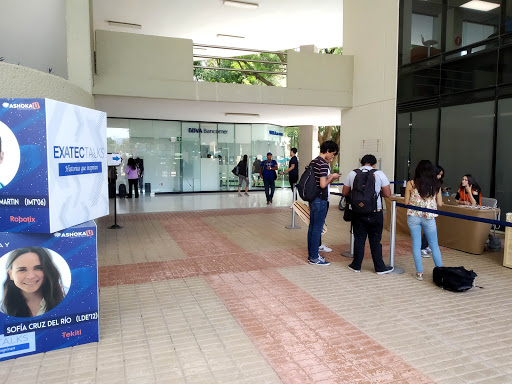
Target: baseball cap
{"x": 269, "y": 153}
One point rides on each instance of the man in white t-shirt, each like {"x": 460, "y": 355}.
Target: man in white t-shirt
{"x": 369, "y": 224}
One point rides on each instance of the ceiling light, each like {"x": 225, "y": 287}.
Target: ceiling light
{"x": 241, "y": 114}
{"x": 231, "y": 36}
{"x": 479, "y": 5}
{"x": 122, "y": 24}
{"x": 240, "y": 4}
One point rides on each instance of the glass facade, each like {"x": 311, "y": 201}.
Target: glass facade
{"x": 454, "y": 103}
{"x": 192, "y": 156}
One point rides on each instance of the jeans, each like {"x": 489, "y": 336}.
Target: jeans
{"x": 270, "y": 187}
{"x": 368, "y": 225}
{"x": 415, "y": 224}
{"x": 317, "y": 213}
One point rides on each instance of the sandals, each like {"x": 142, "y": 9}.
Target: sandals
{"x": 419, "y": 276}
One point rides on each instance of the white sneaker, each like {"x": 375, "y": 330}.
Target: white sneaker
{"x": 424, "y": 253}
{"x": 324, "y": 248}
{"x": 429, "y": 251}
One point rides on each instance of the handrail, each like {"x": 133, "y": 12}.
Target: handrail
{"x": 237, "y": 59}
{"x": 240, "y": 70}
{"x": 238, "y": 49}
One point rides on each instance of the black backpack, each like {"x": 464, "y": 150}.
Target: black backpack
{"x": 308, "y": 190}
{"x": 363, "y": 198}
{"x": 455, "y": 279}
{"x": 122, "y": 190}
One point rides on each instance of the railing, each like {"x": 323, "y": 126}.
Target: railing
{"x": 256, "y": 67}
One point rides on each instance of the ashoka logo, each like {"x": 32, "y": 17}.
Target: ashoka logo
{"x": 5, "y": 105}
{"x": 57, "y": 234}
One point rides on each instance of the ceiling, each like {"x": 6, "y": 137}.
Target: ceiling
{"x": 184, "y": 110}
{"x": 274, "y": 25}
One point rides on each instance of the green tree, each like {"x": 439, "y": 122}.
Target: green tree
{"x": 271, "y": 62}
{"x": 330, "y": 132}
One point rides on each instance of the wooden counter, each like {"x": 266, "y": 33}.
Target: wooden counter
{"x": 463, "y": 235}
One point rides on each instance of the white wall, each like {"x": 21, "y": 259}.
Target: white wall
{"x": 369, "y": 127}
{"x": 159, "y": 67}
{"x": 33, "y": 34}
{"x": 17, "y": 82}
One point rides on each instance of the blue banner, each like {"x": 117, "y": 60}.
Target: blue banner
{"x": 71, "y": 169}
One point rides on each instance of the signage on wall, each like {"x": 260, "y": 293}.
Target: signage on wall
{"x": 200, "y": 130}
{"x": 275, "y": 133}
{"x": 458, "y": 41}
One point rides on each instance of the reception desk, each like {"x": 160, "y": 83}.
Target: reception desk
{"x": 463, "y": 235}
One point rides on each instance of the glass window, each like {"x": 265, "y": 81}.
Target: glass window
{"x": 505, "y": 65}
{"x": 402, "y": 148}
{"x": 473, "y": 72}
{"x": 423, "y": 137}
{"x": 503, "y": 160}
{"x": 507, "y": 27}
{"x": 419, "y": 81}
{"x": 466, "y": 26}
{"x": 421, "y": 30}
{"x": 466, "y": 143}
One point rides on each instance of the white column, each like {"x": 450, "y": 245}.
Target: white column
{"x": 308, "y": 145}
{"x": 369, "y": 126}
{"x": 79, "y": 43}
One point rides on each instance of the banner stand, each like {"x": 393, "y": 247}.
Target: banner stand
{"x": 115, "y": 226}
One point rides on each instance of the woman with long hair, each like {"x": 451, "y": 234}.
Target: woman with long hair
{"x": 33, "y": 285}
{"x": 243, "y": 176}
{"x": 424, "y": 191}
{"x": 132, "y": 174}
{"x": 425, "y": 249}
{"x": 469, "y": 192}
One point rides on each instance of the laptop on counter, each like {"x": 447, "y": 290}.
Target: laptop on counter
{"x": 449, "y": 200}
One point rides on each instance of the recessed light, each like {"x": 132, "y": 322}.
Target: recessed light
{"x": 240, "y": 4}
{"x": 480, "y": 5}
{"x": 241, "y": 114}
{"x": 123, "y": 24}
{"x": 230, "y": 36}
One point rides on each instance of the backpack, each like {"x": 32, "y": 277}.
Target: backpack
{"x": 308, "y": 190}
{"x": 455, "y": 279}
{"x": 122, "y": 190}
{"x": 362, "y": 194}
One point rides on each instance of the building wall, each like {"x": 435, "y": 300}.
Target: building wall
{"x": 161, "y": 67}
{"x": 369, "y": 126}
{"x": 17, "y": 82}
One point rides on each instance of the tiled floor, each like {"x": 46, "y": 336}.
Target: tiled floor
{"x": 225, "y": 296}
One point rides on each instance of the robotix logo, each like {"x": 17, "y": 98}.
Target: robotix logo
{"x": 87, "y": 233}
{"x": 20, "y": 219}
{"x": 34, "y": 105}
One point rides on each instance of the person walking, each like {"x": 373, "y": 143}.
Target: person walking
{"x": 132, "y": 174}
{"x": 423, "y": 191}
{"x": 268, "y": 174}
{"x": 243, "y": 175}
{"x": 368, "y": 224}
{"x": 318, "y": 207}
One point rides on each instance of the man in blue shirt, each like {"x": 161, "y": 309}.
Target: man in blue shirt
{"x": 268, "y": 174}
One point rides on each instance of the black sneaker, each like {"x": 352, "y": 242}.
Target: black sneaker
{"x": 387, "y": 270}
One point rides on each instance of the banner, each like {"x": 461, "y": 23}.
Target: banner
{"x": 53, "y": 165}
{"x": 49, "y": 290}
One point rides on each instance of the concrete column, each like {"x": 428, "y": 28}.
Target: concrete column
{"x": 308, "y": 145}
{"x": 79, "y": 43}
{"x": 454, "y": 21}
{"x": 309, "y": 48}
{"x": 369, "y": 126}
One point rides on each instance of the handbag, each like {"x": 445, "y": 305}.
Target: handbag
{"x": 235, "y": 171}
